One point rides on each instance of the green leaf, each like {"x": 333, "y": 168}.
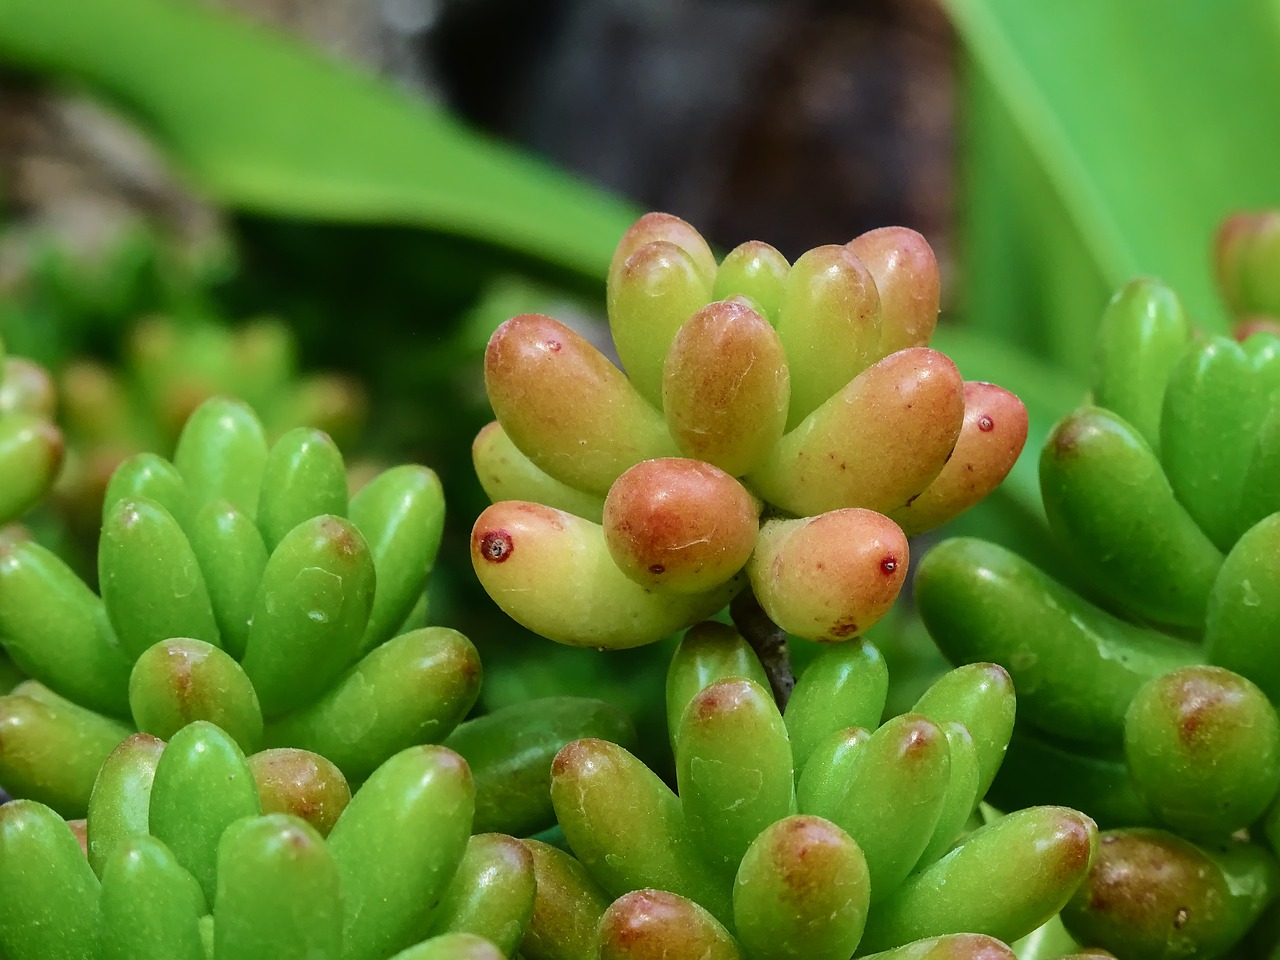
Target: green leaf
{"x": 261, "y": 123}
{"x": 1105, "y": 140}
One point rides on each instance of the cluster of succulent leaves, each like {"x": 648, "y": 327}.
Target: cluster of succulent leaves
{"x": 1150, "y": 702}
{"x": 239, "y": 585}
{"x": 248, "y": 601}
{"x": 629, "y": 506}
{"x": 190, "y": 850}
{"x": 169, "y": 368}
{"x": 31, "y": 445}
{"x": 816, "y": 832}
{"x": 1034, "y": 109}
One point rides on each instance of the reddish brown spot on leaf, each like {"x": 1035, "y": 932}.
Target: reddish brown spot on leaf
{"x": 723, "y": 697}
{"x": 805, "y": 853}
{"x": 1070, "y": 434}
{"x": 916, "y": 739}
{"x": 183, "y": 681}
{"x": 1077, "y": 832}
{"x": 340, "y": 534}
{"x": 845, "y": 627}
{"x": 1202, "y": 704}
{"x": 572, "y": 757}
{"x": 466, "y": 667}
{"x": 496, "y": 546}
{"x": 986, "y": 424}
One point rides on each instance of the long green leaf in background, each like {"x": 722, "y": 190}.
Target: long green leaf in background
{"x": 263, "y": 124}
{"x": 1106, "y": 139}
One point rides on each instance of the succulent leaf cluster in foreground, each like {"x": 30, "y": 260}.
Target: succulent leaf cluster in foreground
{"x": 240, "y": 585}
{"x": 195, "y": 852}
{"x": 782, "y": 425}
{"x": 815, "y": 832}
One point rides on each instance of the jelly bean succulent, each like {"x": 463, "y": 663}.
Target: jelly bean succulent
{"x": 169, "y": 369}
{"x": 239, "y": 585}
{"x": 780, "y": 425}
{"x": 816, "y": 832}
{"x": 1150, "y": 702}
{"x": 195, "y": 851}
{"x": 31, "y": 446}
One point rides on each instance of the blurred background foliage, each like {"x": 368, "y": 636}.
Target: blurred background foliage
{"x": 395, "y": 178}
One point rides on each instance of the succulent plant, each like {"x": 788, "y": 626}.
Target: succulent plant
{"x": 238, "y": 585}
{"x": 194, "y": 851}
{"x": 1151, "y": 702}
{"x": 780, "y": 425}
{"x": 510, "y": 752}
{"x": 810, "y": 833}
{"x": 169, "y": 369}
{"x": 31, "y": 446}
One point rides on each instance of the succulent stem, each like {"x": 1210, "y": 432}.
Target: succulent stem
{"x": 768, "y": 640}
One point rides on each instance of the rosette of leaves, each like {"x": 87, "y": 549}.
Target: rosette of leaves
{"x": 816, "y": 833}
{"x": 780, "y": 425}
{"x": 195, "y": 852}
{"x": 1150, "y": 703}
{"x": 31, "y": 446}
{"x": 169, "y": 369}
{"x": 239, "y": 585}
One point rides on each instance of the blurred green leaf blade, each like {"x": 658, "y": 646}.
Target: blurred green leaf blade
{"x": 1149, "y": 121}
{"x": 263, "y": 124}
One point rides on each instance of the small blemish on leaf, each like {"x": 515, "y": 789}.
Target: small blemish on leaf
{"x": 844, "y": 627}
{"x": 496, "y": 546}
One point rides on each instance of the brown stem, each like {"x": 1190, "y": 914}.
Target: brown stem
{"x": 768, "y": 640}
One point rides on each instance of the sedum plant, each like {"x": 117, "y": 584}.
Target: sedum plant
{"x": 783, "y": 426}
{"x": 31, "y": 446}
{"x": 1151, "y": 703}
{"x": 169, "y": 369}
{"x": 195, "y": 852}
{"x": 816, "y": 832}
{"x": 239, "y": 585}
